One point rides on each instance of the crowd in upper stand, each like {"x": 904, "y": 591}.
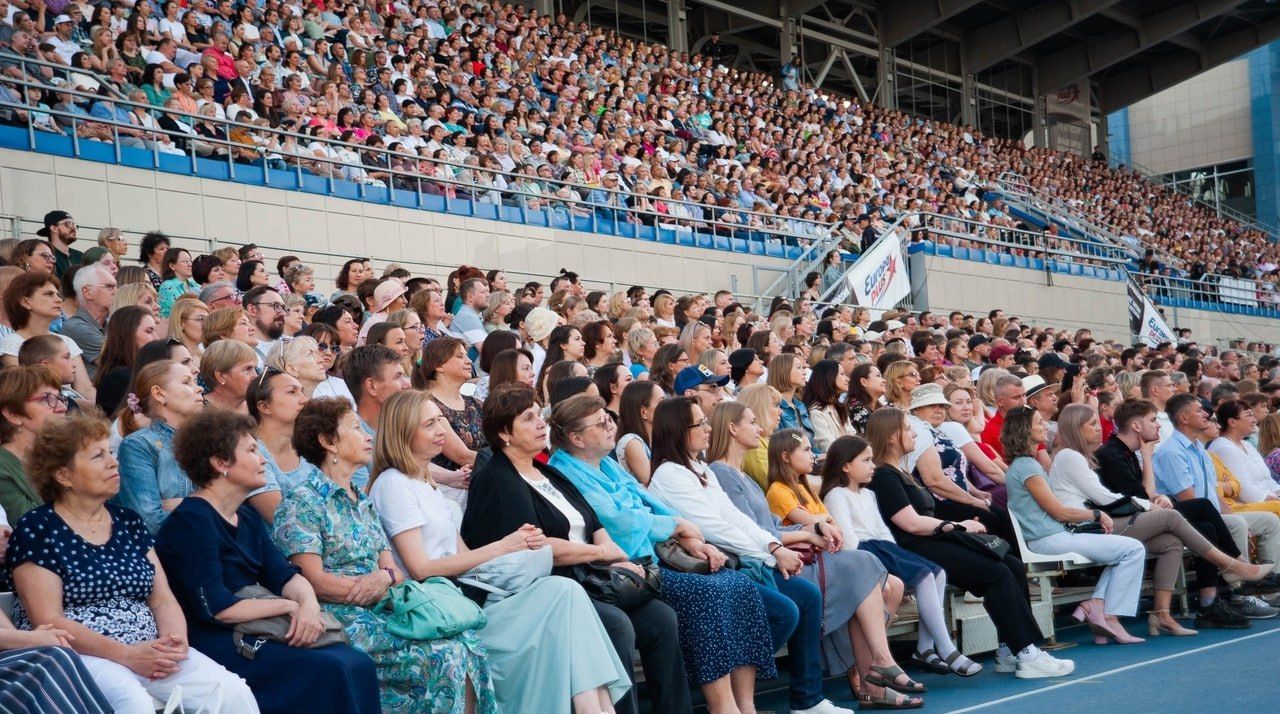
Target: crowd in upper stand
{"x": 217, "y": 476}
{"x": 491, "y": 87}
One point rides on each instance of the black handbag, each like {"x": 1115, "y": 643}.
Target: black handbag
{"x": 1085, "y": 527}
{"x": 1123, "y": 506}
{"x": 618, "y": 587}
{"x": 992, "y": 546}
{"x": 673, "y": 555}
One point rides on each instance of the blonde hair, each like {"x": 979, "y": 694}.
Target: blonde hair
{"x": 182, "y": 308}
{"x": 130, "y": 294}
{"x": 780, "y": 372}
{"x": 619, "y": 304}
{"x": 1071, "y": 432}
{"x": 1269, "y": 433}
{"x": 761, "y": 399}
{"x": 688, "y": 334}
{"x": 392, "y": 445}
{"x": 220, "y": 323}
{"x": 106, "y": 235}
{"x": 722, "y": 416}
{"x": 284, "y": 356}
{"x": 986, "y": 387}
{"x": 223, "y": 356}
{"x": 893, "y": 394}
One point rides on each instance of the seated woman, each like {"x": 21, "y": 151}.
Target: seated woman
{"x": 332, "y": 533}
{"x": 1254, "y": 489}
{"x": 328, "y": 341}
{"x": 214, "y": 543}
{"x": 856, "y": 591}
{"x": 546, "y": 646}
{"x": 765, "y": 404}
{"x": 908, "y": 511}
{"x": 963, "y": 426}
{"x": 40, "y": 674}
{"x": 846, "y": 472}
{"x": 822, "y": 395}
{"x": 227, "y": 368}
{"x": 31, "y": 302}
{"x": 444, "y": 369}
{"x": 274, "y": 401}
{"x": 722, "y": 625}
{"x": 1042, "y": 516}
{"x": 866, "y": 387}
{"x": 1161, "y": 529}
{"x": 787, "y": 375}
{"x": 127, "y": 331}
{"x": 87, "y": 567}
{"x": 302, "y": 359}
{"x": 513, "y": 489}
{"x": 28, "y": 397}
{"x": 152, "y": 483}
{"x": 635, "y": 423}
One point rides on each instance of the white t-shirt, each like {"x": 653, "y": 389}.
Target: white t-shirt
{"x": 334, "y": 387}
{"x": 956, "y": 432}
{"x": 857, "y": 514}
{"x": 12, "y": 342}
{"x": 406, "y": 503}
{"x": 924, "y": 440}
{"x": 552, "y": 495}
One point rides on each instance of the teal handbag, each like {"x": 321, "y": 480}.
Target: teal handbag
{"x": 429, "y": 610}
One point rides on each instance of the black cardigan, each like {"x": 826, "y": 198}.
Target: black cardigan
{"x": 499, "y": 501}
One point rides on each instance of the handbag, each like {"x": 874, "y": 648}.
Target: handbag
{"x": 249, "y": 636}
{"x": 673, "y": 555}
{"x": 1085, "y": 527}
{"x": 429, "y": 610}
{"x": 1123, "y": 506}
{"x": 807, "y": 551}
{"x": 618, "y": 587}
{"x": 992, "y": 546}
{"x": 508, "y": 574}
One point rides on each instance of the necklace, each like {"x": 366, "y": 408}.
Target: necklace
{"x": 92, "y": 525}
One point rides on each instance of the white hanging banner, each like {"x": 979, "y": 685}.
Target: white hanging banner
{"x": 1145, "y": 321}
{"x": 880, "y": 280}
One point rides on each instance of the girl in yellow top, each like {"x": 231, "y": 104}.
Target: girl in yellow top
{"x": 789, "y": 495}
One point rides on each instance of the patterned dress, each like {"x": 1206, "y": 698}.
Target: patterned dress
{"x": 466, "y": 423}
{"x": 320, "y": 517}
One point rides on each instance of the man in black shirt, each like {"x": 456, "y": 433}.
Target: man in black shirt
{"x": 1120, "y": 469}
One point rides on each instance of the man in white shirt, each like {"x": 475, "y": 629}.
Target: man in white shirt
{"x": 1157, "y": 388}
{"x": 63, "y": 45}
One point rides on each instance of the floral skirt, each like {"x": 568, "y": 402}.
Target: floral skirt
{"x": 420, "y": 677}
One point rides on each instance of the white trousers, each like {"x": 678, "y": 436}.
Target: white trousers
{"x": 1262, "y": 524}
{"x": 1120, "y": 584}
{"x": 207, "y": 687}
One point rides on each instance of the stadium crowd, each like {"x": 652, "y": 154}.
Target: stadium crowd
{"x": 467, "y": 495}
{"x": 497, "y": 103}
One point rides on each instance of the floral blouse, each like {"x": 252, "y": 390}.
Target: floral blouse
{"x": 104, "y": 587}
{"x": 858, "y": 415}
{"x": 320, "y": 517}
{"x": 1273, "y": 463}
{"x": 466, "y": 422}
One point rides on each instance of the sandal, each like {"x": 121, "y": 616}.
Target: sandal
{"x": 887, "y": 676}
{"x": 889, "y": 699}
{"x": 961, "y": 665}
{"x": 929, "y": 661}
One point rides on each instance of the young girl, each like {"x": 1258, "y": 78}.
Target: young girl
{"x": 790, "y": 496}
{"x": 847, "y": 470}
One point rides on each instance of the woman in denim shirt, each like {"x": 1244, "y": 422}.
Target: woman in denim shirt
{"x": 787, "y": 375}
{"x": 151, "y": 482}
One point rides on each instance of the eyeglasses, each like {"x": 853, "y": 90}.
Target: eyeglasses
{"x": 327, "y": 348}
{"x": 277, "y": 306}
{"x": 703, "y": 424}
{"x": 50, "y": 399}
{"x": 108, "y": 286}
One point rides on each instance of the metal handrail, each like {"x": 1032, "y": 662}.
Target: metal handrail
{"x": 1212, "y": 288}
{"x": 815, "y": 228}
{"x": 1227, "y": 211}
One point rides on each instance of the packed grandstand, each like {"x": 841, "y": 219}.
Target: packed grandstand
{"x": 462, "y": 493}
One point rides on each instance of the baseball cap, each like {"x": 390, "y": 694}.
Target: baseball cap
{"x": 1053, "y": 359}
{"x": 696, "y": 376}
{"x": 52, "y": 218}
{"x": 978, "y": 340}
{"x": 1001, "y": 351}
{"x": 63, "y": 18}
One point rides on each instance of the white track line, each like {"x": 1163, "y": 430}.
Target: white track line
{"x": 1108, "y": 673}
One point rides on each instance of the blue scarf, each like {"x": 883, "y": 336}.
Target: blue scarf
{"x": 634, "y": 518}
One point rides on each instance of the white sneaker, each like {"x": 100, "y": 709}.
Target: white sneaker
{"x": 823, "y": 707}
{"x": 1044, "y": 666}
{"x": 1007, "y": 664}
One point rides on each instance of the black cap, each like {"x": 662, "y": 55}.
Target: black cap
{"x": 51, "y": 219}
{"x": 1053, "y": 359}
{"x": 978, "y": 340}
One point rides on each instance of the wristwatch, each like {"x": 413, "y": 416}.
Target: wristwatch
{"x": 1097, "y": 515}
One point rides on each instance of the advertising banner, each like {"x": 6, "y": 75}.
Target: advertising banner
{"x": 880, "y": 280}
{"x": 1145, "y": 322}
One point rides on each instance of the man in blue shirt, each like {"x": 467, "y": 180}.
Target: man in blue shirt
{"x": 468, "y": 325}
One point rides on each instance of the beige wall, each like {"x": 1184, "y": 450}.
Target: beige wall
{"x": 1200, "y": 122}
{"x": 326, "y": 231}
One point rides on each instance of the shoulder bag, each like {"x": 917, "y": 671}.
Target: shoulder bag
{"x": 1119, "y": 508}
{"x": 673, "y": 556}
{"x": 992, "y": 546}
{"x": 429, "y": 610}
{"x": 249, "y": 636}
{"x": 508, "y": 574}
{"x": 618, "y": 587}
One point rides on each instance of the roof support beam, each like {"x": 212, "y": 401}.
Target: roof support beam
{"x": 1127, "y": 87}
{"x": 900, "y": 20}
{"x": 1081, "y": 60}
{"x": 1002, "y": 39}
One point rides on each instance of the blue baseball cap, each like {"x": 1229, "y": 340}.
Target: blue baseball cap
{"x": 696, "y": 376}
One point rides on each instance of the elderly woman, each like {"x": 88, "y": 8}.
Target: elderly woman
{"x": 87, "y": 568}
{"x": 301, "y": 359}
{"x": 331, "y": 531}
{"x": 28, "y": 397}
{"x": 723, "y": 636}
{"x": 227, "y": 369}
{"x": 214, "y": 544}
{"x": 546, "y": 645}
{"x": 274, "y": 400}
{"x": 513, "y": 489}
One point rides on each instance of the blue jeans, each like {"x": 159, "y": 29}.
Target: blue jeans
{"x": 795, "y": 618}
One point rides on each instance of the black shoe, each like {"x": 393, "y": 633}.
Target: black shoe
{"x": 1221, "y": 615}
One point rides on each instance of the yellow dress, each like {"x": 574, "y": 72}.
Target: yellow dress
{"x": 1229, "y": 491}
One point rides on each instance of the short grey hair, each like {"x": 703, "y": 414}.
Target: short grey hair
{"x": 89, "y": 275}
{"x": 207, "y": 293}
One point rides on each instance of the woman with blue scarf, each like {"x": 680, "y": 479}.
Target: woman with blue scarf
{"x": 723, "y": 632}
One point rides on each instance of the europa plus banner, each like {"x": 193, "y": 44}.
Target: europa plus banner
{"x": 879, "y": 280}
{"x": 1145, "y": 321}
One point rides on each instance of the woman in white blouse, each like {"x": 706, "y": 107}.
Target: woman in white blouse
{"x": 1162, "y": 530}
{"x": 1237, "y": 422}
{"x": 847, "y": 469}
{"x": 545, "y": 641}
